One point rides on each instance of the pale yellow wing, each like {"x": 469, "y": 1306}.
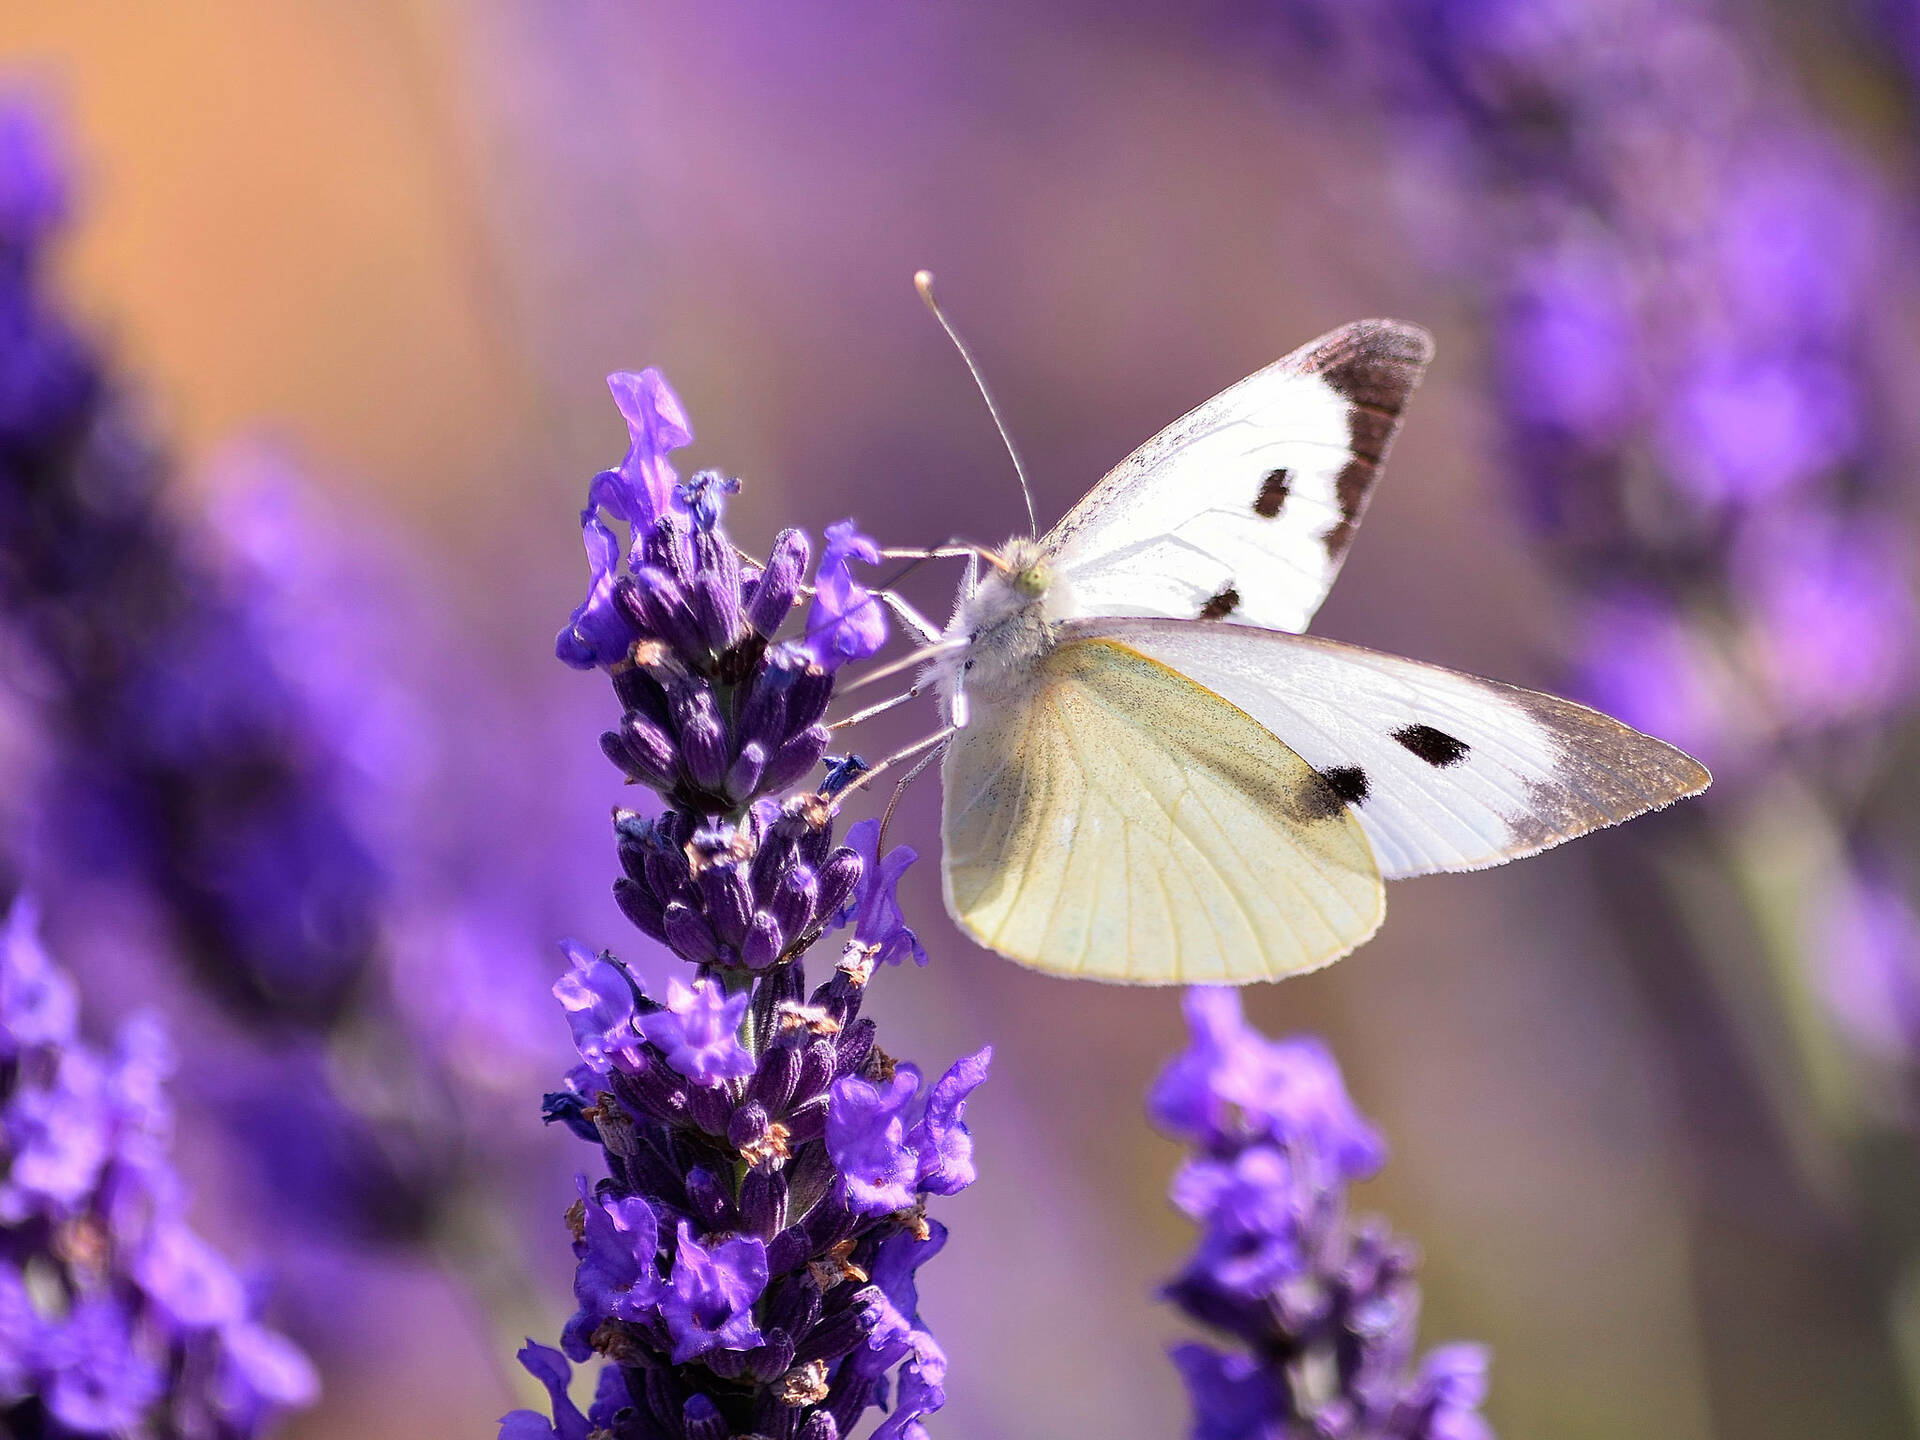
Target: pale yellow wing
{"x": 1127, "y": 824}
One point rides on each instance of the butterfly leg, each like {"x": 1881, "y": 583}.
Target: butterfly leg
{"x": 909, "y": 662}
{"x": 867, "y": 777}
{"x": 951, "y": 551}
{"x": 912, "y": 692}
{"x": 893, "y": 801}
{"x": 928, "y": 632}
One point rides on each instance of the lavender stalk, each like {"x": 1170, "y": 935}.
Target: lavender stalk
{"x": 1321, "y": 1308}
{"x": 746, "y": 1263}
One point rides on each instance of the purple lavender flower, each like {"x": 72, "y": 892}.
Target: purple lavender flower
{"x": 879, "y": 926}
{"x": 710, "y": 1299}
{"x": 133, "y": 1322}
{"x": 867, "y": 1138}
{"x": 747, "y": 1265}
{"x": 698, "y": 1032}
{"x": 598, "y": 997}
{"x": 551, "y": 1369}
{"x": 656, "y": 425}
{"x": 942, "y": 1144}
{"x": 637, "y": 494}
{"x": 846, "y": 622}
{"x": 1321, "y": 1307}
{"x": 616, "y": 1278}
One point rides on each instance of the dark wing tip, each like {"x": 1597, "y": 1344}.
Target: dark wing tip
{"x": 1374, "y": 364}
{"x": 1396, "y": 339}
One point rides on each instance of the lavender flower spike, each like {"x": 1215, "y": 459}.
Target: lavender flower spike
{"x": 115, "y": 1318}
{"x": 746, "y": 1266}
{"x": 1322, "y": 1308}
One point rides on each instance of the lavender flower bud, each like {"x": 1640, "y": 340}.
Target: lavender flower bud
{"x": 643, "y": 750}
{"x": 839, "y": 879}
{"x": 724, "y": 889}
{"x": 748, "y": 769}
{"x": 637, "y": 689}
{"x": 807, "y": 702}
{"x": 702, "y": 1420}
{"x": 703, "y": 737}
{"x": 642, "y": 907}
{"x": 658, "y": 606}
{"x": 689, "y": 934}
{"x": 669, "y": 546}
{"x": 716, "y": 609}
{"x": 774, "y": 1082}
{"x": 795, "y": 901}
{"x": 816, "y": 1071}
{"x": 764, "y": 943}
{"x": 779, "y": 584}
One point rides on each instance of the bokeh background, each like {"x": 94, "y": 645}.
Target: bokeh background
{"x": 1650, "y": 1097}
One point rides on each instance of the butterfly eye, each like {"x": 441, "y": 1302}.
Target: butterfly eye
{"x": 1033, "y": 580}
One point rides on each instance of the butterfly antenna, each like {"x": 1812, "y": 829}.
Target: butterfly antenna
{"x": 923, "y": 282}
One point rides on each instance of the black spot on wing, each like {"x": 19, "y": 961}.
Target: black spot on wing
{"x": 1436, "y": 747}
{"x": 1273, "y": 494}
{"x": 1223, "y": 604}
{"x": 1315, "y": 800}
{"x": 1349, "y": 782}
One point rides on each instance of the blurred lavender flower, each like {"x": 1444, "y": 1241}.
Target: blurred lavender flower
{"x": 115, "y": 1318}
{"x": 1685, "y": 274}
{"x": 1324, "y": 1306}
{"x": 185, "y": 753}
{"x": 747, "y": 1265}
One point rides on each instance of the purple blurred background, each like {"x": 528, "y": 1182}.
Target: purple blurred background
{"x": 395, "y": 250}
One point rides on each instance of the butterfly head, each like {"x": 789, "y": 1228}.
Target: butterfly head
{"x": 1028, "y": 571}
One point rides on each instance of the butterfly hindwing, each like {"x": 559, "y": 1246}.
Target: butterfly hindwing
{"x": 1244, "y": 508}
{"x": 1125, "y": 824}
{"x": 1444, "y": 771}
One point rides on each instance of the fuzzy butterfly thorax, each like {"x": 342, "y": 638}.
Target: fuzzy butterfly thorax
{"x": 1007, "y": 621}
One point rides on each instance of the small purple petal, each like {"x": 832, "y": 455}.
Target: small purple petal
{"x": 657, "y": 424}
{"x": 711, "y": 1295}
{"x": 874, "y": 910}
{"x": 942, "y": 1144}
{"x": 867, "y": 1138}
{"x": 699, "y": 1032}
{"x": 846, "y": 622}
{"x": 598, "y": 999}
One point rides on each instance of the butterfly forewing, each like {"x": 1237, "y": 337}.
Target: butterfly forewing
{"x": 1126, "y": 824}
{"x": 1243, "y": 509}
{"x": 1443, "y": 770}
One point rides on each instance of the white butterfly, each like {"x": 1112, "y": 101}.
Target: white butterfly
{"x": 1155, "y": 778}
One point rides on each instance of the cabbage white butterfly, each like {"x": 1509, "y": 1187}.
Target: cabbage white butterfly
{"x": 1153, "y": 777}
